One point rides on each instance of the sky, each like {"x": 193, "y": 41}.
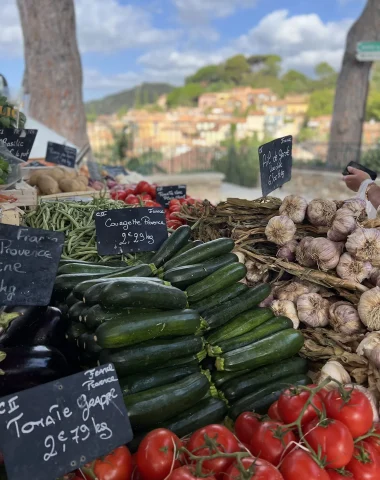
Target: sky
{"x": 126, "y": 42}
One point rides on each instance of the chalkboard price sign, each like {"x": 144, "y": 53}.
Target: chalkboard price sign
{"x": 61, "y": 154}
{"x": 141, "y": 229}
{"x": 28, "y": 264}
{"x": 165, "y": 194}
{"x": 114, "y": 170}
{"x": 275, "y": 160}
{"x": 52, "y": 429}
{"x": 19, "y": 142}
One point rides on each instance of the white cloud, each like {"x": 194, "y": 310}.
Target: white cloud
{"x": 11, "y": 43}
{"x": 196, "y": 11}
{"x": 93, "y": 79}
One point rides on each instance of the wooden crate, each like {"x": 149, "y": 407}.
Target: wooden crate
{"x": 10, "y": 215}
{"x": 24, "y": 197}
{"x": 75, "y": 195}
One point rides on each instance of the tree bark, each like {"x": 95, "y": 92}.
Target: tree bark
{"x": 352, "y": 90}
{"x": 53, "y": 70}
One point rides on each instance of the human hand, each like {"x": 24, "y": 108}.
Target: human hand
{"x": 355, "y": 179}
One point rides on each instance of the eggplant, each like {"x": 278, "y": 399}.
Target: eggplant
{"x": 26, "y": 367}
{"x": 52, "y": 329}
{"x": 18, "y": 325}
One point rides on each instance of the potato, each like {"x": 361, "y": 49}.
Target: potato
{"x": 54, "y": 173}
{"x": 82, "y": 179}
{"x": 34, "y": 177}
{"x": 69, "y": 185}
{"x": 69, "y": 172}
{"x": 47, "y": 185}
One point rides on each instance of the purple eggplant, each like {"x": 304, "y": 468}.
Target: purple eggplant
{"x": 52, "y": 329}
{"x": 18, "y": 325}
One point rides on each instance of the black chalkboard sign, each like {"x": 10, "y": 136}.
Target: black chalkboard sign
{"x": 19, "y": 142}
{"x": 165, "y": 194}
{"x": 28, "y": 264}
{"x": 114, "y": 170}
{"x": 275, "y": 164}
{"x": 61, "y": 154}
{"x": 52, "y": 429}
{"x": 141, "y": 229}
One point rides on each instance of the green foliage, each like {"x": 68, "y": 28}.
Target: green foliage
{"x": 295, "y": 82}
{"x": 321, "y": 103}
{"x": 264, "y": 81}
{"x": 208, "y": 74}
{"x": 306, "y": 134}
{"x": 373, "y": 105}
{"x": 371, "y": 159}
{"x": 235, "y": 68}
{"x": 265, "y": 64}
{"x": 187, "y": 95}
{"x": 147, "y": 163}
{"x": 326, "y": 75}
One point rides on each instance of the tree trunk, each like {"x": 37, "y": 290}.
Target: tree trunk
{"x": 53, "y": 71}
{"x": 352, "y": 90}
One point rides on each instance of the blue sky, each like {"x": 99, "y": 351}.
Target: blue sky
{"x": 126, "y": 42}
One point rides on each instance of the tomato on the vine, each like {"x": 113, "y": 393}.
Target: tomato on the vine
{"x": 258, "y": 468}
{"x": 340, "y": 475}
{"x": 299, "y": 464}
{"x": 225, "y": 441}
{"x": 175, "y": 208}
{"x": 145, "y": 196}
{"x": 173, "y": 224}
{"x": 246, "y": 425}
{"x": 273, "y": 412}
{"x": 132, "y": 200}
{"x": 271, "y": 440}
{"x": 351, "y": 408}
{"x": 142, "y": 187}
{"x": 187, "y": 472}
{"x": 156, "y": 452}
{"x": 117, "y": 465}
{"x": 291, "y": 403}
{"x": 365, "y": 462}
{"x": 149, "y": 203}
{"x": 375, "y": 441}
{"x": 332, "y": 439}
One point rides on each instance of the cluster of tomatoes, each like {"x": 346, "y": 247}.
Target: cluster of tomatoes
{"x": 144, "y": 195}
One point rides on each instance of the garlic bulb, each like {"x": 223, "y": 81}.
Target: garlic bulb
{"x": 321, "y": 212}
{"x": 357, "y": 206}
{"x": 280, "y": 230}
{"x": 351, "y": 269}
{"x": 312, "y": 287}
{"x": 344, "y": 318}
{"x": 369, "y": 308}
{"x": 313, "y": 310}
{"x": 294, "y": 207}
{"x": 371, "y": 397}
{"x": 369, "y": 342}
{"x": 240, "y": 256}
{"x": 325, "y": 253}
{"x": 255, "y": 271}
{"x": 286, "y": 308}
{"x": 336, "y": 371}
{"x": 291, "y": 291}
{"x": 343, "y": 224}
{"x": 374, "y": 277}
{"x": 288, "y": 251}
{"x": 364, "y": 244}
{"x": 303, "y": 254}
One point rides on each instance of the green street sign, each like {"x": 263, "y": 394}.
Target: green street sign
{"x": 363, "y": 47}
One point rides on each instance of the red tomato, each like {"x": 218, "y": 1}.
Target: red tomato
{"x": 149, "y": 203}
{"x": 174, "y": 201}
{"x": 186, "y": 472}
{"x": 173, "y": 224}
{"x": 152, "y": 191}
{"x": 129, "y": 191}
{"x": 374, "y": 441}
{"x": 156, "y": 453}
{"x": 333, "y": 439}
{"x": 175, "y": 208}
{"x": 132, "y": 200}
{"x": 261, "y": 470}
{"x": 271, "y": 440}
{"x": 340, "y": 475}
{"x": 174, "y": 216}
{"x": 145, "y": 196}
{"x": 322, "y": 393}
{"x": 246, "y": 424}
{"x": 142, "y": 187}
{"x": 365, "y": 463}
{"x": 273, "y": 412}
{"x": 118, "y": 465}
{"x": 291, "y": 403}
{"x": 226, "y": 443}
{"x": 355, "y": 411}
{"x": 299, "y": 465}
{"x": 191, "y": 201}
{"x": 182, "y": 200}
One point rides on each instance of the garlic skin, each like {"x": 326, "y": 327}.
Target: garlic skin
{"x": 321, "y": 212}
{"x": 291, "y": 291}
{"x": 313, "y": 310}
{"x": 369, "y": 342}
{"x": 288, "y": 251}
{"x": 353, "y": 270}
{"x": 294, "y": 207}
{"x": 303, "y": 253}
{"x": 356, "y": 205}
{"x": 364, "y": 244}
{"x": 286, "y": 308}
{"x": 325, "y": 253}
{"x": 280, "y": 230}
{"x": 240, "y": 256}
{"x": 371, "y": 397}
{"x": 344, "y": 318}
{"x": 267, "y": 302}
{"x": 255, "y": 271}
{"x": 369, "y": 308}
{"x": 374, "y": 276}
{"x": 336, "y": 371}
{"x": 344, "y": 224}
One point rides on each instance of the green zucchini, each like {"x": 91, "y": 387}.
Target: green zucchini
{"x": 87, "y": 343}
{"x": 161, "y": 403}
{"x": 73, "y": 268}
{"x": 220, "y": 315}
{"x": 188, "y": 246}
{"x": 274, "y": 325}
{"x": 74, "y": 331}
{"x": 249, "y": 382}
{"x": 136, "y": 359}
{"x": 260, "y": 400}
{"x": 241, "y": 324}
{"x": 171, "y": 245}
{"x": 71, "y": 300}
{"x": 96, "y": 315}
{"x": 201, "y": 253}
{"x": 129, "y": 330}
{"x": 69, "y": 260}
{"x": 273, "y": 349}
{"x": 208, "y": 411}
{"x": 143, "y": 295}
{"x": 183, "y": 277}
{"x": 82, "y": 287}
{"x": 157, "y": 378}
{"x": 193, "y": 359}
{"x": 218, "y": 298}
{"x": 75, "y": 311}
{"x": 220, "y": 378}
{"x": 216, "y": 282}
